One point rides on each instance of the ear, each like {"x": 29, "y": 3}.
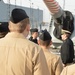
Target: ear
{"x": 28, "y": 27}
{"x": 9, "y": 26}
{"x": 38, "y": 42}
{"x": 50, "y": 42}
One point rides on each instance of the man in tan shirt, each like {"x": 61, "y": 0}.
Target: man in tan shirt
{"x": 19, "y": 56}
{"x": 69, "y": 70}
{"x": 53, "y": 61}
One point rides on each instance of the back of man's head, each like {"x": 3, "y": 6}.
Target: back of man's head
{"x": 19, "y": 19}
{"x": 45, "y": 37}
{"x": 33, "y": 30}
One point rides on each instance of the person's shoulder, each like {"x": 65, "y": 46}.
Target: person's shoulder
{"x": 72, "y": 66}
{"x": 28, "y": 42}
{"x": 2, "y": 39}
{"x": 53, "y": 56}
{"x": 30, "y": 47}
{"x": 31, "y": 44}
{"x": 69, "y": 70}
{"x": 69, "y": 41}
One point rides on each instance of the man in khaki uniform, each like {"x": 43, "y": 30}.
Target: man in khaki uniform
{"x": 19, "y": 56}
{"x": 69, "y": 70}
{"x": 54, "y": 62}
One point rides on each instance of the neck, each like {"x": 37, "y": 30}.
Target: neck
{"x": 44, "y": 47}
{"x": 25, "y": 33}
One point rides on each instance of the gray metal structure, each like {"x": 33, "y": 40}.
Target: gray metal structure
{"x": 35, "y": 15}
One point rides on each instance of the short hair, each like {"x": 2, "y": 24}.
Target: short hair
{"x": 20, "y": 26}
{"x": 45, "y": 43}
{"x": 18, "y": 20}
{"x": 45, "y": 38}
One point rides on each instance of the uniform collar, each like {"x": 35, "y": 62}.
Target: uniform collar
{"x": 15, "y": 35}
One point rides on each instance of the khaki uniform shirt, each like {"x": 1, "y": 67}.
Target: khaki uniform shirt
{"x": 69, "y": 70}
{"x": 19, "y": 56}
{"x": 54, "y": 63}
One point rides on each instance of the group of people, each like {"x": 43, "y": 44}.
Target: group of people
{"x": 21, "y": 56}
{"x": 55, "y": 63}
{"x": 18, "y": 55}
{"x": 64, "y": 26}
